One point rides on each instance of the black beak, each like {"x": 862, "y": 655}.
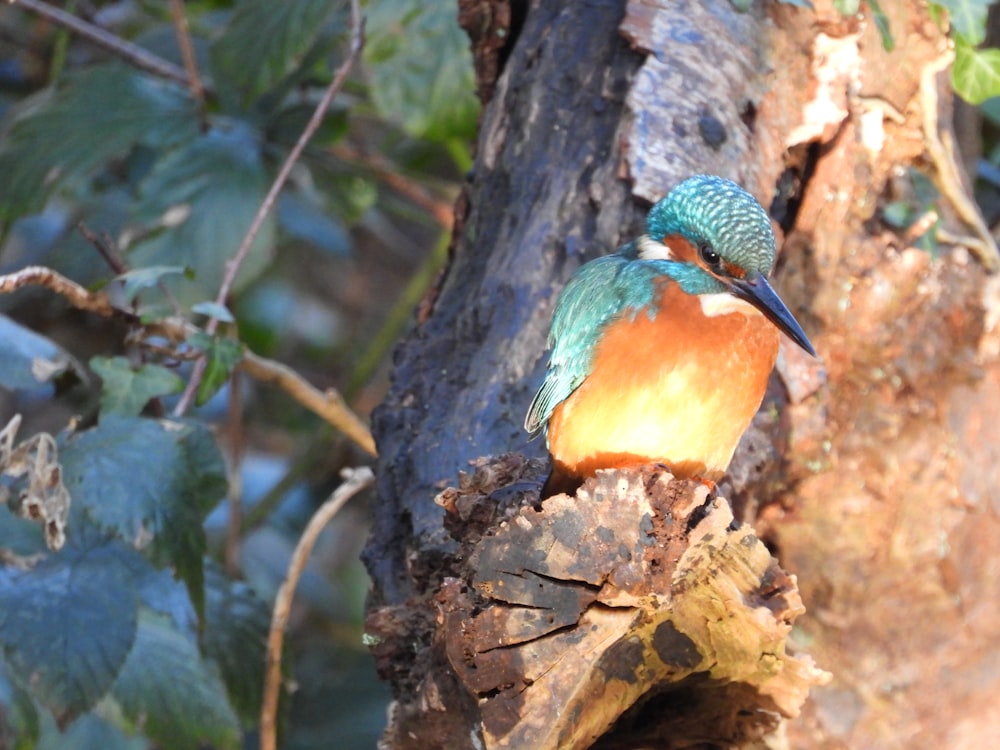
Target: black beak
{"x": 755, "y": 290}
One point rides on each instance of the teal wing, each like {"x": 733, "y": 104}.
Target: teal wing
{"x": 600, "y": 291}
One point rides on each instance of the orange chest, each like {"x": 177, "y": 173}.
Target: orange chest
{"x": 678, "y": 387}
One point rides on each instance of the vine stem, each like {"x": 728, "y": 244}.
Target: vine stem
{"x": 236, "y": 261}
{"x": 355, "y": 480}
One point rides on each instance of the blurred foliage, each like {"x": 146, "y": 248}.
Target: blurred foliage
{"x": 975, "y": 74}
{"x": 132, "y": 633}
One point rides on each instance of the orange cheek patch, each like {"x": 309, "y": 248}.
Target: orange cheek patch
{"x": 681, "y": 248}
{"x": 733, "y": 270}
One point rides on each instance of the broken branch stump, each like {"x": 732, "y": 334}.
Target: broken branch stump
{"x": 636, "y": 612}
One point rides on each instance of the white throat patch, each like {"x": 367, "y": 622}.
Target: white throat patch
{"x": 724, "y": 303}
{"x": 650, "y": 249}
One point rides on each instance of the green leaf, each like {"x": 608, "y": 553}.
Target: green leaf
{"x": 167, "y": 688}
{"x": 127, "y": 391}
{"x": 799, "y": 3}
{"x": 95, "y": 115}
{"x": 204, "y": 197}
{"x": 235, "y": 638}
{"x": 135, "y": 281}
{"x": 847, "y": 7}
{"x": 304, "y": 218}
{"x": 18, "y": 717}
{"x": 67, "y": 624}
{"x": 991, "y": 110}
{"x": 19, "y": 535}
{"x": 421, "y": 68}
{"x": 214, "y": 310}
{"x": 161, "y": 592}
{"x": 89, "y": 732}
{"x": 152, "y": 482}
{"x": 265, "y": 42}
{"x": 882, "y": 24}
{"x": 976, "y": 73}
{"x": 29, "y": 359}
{"x": 968, "y": 18}
{"x": 897, "y": 214}
{"x": 222, "y": 355}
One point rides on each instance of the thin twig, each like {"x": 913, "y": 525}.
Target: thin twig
{"x": 109, "y": 251}
{"x": 328, "y": 405}
{"x": 75, "y": 294}
{"x": 106, "y": 249}
{"x": 183, "y": 33}
{"x": 234, "y": 263}
{"x": 131, "y": 53}
{"x": 355, "y": 480}
{"x": 941, "y": 150}
{"x": 234, "y": 497}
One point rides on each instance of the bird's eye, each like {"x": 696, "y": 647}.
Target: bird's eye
{"x": 709, "y": 255}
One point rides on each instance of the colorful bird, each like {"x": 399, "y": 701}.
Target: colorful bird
{"x": 661, "y": 352}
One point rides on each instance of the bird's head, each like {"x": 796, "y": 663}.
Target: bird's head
{"x": 717, "y": 239}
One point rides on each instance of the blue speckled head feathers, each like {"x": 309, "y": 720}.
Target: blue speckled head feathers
{"x": 714, "y": 211}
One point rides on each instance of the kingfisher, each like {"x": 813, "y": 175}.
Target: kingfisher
{"x": 661, "y": 351}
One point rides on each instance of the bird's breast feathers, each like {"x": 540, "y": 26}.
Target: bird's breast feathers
{"x": 677, "y": 381}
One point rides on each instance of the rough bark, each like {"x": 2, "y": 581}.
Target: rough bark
{"x": 893, "y": 523}
{"x": 873, "y": 468}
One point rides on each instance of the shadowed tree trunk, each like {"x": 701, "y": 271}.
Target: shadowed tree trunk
{"x": 870, "y": 471}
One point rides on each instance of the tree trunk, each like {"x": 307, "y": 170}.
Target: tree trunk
{"x": 869, "y": 471}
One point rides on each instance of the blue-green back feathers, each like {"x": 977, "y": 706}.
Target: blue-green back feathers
{"x": 599, "y": 292}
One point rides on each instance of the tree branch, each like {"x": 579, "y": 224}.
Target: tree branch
{"x": 328, "y": 405}
{"x": 187, "y": 53}
{"x": 131, "y": 53}
{"x": 355, "y": 480}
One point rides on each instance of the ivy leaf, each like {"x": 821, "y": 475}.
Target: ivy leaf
{"x": 167, "y": 688}
{"x": 153, "y": 482}
{"x": 235, "y": 637}
{"x": 93, "y": 116}
{"x": 68, "y": 624}
{"x": 127, "y": 391}
{"x": 135, "y": 281}
{"x": 975, "y": 74}
{"x": 29, "y": 359}
{"x": 266, "y": 41}
{"x": 221, "y": 355}
{"x": 421, "y": 68}
{"x": 203, "y": 198}
{"x": 968, "y": 18}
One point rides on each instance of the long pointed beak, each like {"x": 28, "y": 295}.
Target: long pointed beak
{"x": 755, "y": 290}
